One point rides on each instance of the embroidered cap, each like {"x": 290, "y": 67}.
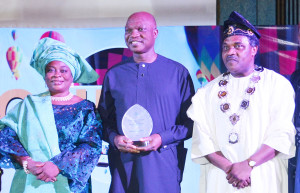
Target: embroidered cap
{"x": 238, "y": 25}
{"x": 49, "y": 50}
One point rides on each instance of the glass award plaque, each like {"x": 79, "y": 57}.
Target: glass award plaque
{"x": 136, "y": 124}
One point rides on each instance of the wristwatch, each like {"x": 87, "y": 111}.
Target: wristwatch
{"x": 251, "y": 163}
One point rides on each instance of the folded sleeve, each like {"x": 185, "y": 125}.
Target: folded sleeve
{"x": 107, "y": 112}
{"x": 10, "y": 145}
{"x": 79, "y": 159}
{"x": 281, "y": 131}
{"x": 204, "y": 137}
{"x": 183, "y": 129}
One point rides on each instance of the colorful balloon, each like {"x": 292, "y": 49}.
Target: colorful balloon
{"x": 14, "y": 58}
{"x": 54, "y": 35}
{"x": 201, "y": 78}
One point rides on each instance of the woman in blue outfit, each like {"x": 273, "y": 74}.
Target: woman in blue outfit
{"x": 53, "y": 139}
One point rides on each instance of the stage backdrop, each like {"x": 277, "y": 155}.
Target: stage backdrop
{"x": 197, "y": 48}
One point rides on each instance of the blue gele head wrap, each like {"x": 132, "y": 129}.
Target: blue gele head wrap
{"x": 49, "y": 50}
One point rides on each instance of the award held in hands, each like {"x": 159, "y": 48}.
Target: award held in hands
{"x": 136, "y": 124}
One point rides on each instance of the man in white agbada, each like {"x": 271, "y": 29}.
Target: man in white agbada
{"x": 243, "y": 129}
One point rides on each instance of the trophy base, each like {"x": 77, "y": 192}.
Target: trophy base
{"x": 141, "y": 143}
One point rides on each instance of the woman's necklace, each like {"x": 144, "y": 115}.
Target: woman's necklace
{"x": 233, "y": 136}
{"x": 65, "y": 98}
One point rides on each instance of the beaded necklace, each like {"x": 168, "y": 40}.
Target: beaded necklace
{"x": 233, "y": 136}
{"x": 65, "y": 98}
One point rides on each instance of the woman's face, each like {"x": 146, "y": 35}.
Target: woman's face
{"x": 58, "y": 78}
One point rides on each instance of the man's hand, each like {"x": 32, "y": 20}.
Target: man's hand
{"x": 239, "y": 174}
{"x": 154, "y": 143}
{"x": 48, "y": 172}
{"x": 124, "y": 144}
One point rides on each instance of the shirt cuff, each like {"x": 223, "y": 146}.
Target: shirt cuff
{"x": 166, "y": 138}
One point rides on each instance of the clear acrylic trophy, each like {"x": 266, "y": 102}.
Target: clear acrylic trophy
{"x": 136, "y": 124}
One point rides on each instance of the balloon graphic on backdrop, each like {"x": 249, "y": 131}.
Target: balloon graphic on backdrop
{"x": 14, "y": 59}
{"x": 54, "y": 35}
{"x": 201, "y": 78}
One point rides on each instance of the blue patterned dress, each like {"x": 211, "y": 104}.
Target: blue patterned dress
{"x": 79, "y": 134}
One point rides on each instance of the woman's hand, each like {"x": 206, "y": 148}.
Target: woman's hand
{"x": 45, "y": 171}
{"x": 48, "y": 172}
{"x": 34, "y": 167}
